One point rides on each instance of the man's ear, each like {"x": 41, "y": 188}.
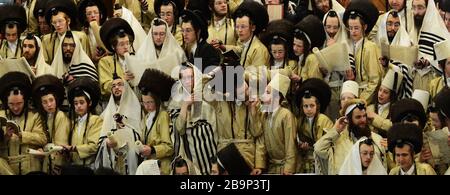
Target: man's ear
{"x": 365, "y": 27}
{"x": 253, "y": 27}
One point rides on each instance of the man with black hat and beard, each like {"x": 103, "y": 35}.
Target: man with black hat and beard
{"x": 62, "y": 15}
{"x": 169, "y": 11}
{"x": 30, "y": 50}
{"x": 359, "y": 18}
{"x": 332, "y": 148}
{"x": 195, "y": 34}
{"x": 15, "y": 93}
{"x": 404, "y": 141}
{"x": 118, "y": 38}
{"x": 12, "y": 23}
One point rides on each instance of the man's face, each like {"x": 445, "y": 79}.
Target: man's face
{"x": 272, "y": 2}
{"x": 220, "y": 7}
{"x": 187, "y": 78}
{"x": 397, "y": 4}
{"x": 366, "y": 153}
{"x": 68, "y": 48}
{"x": 356, "y": 29}
{"x": 419, "y": 8}
{"x": 435, "y": 122}
{"x": 167, "y": 14}
{"x": 159, "y": 35}
{"x": 359, "y": 118}
{"x": 403, "y": 157}
{"x": 384, "y": 95}
{"x": 181, "y": 170}
{"x": 11, "y": 33}
{"x": 447, "y": 20}
{"x": 244, "y": 28}
{"x": 49, "y": 103}
{"x": 392, "y": 26}
{"x": 123, "y": 45}
{"x": 298, "y": 47}
{"x": 93, "y": 14}
{"x": 215, "y": 169}
{"x": 44, "y": 28}
{"x": 277, "y": 51}
{"x": 189, "y": 35}
{"x": 81, "y": 105}
{"x": 345, "y": 97}
{"x": 323, "y": 5}
{"x": 447, "y": 68}
{"x": 117, "y": 88}
{"x": 332, "y": 26}
{"x": 149, "y": 103}
{"x": 29, "y": 49}
{"x": 60, "y": 22}
{"x": 16, "y": 103}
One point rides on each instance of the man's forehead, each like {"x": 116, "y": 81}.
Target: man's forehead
{"x": 117, "y": 81}
{"x": 159, "y": 28}
{"x": 69, "y": 40}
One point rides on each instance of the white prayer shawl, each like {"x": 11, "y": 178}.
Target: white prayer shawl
{"x": 126, "y": 137}
{"x": 139, "y": 33}
{"x": 80, "y": 65}
{"x": 401, "y": 38}
{"x": 170, "y": 57}
{"x": 341, "y": 35}
{"x": 41, "y": 66}
{"x": 352, "y": 163}
{"x": 433, "y": 31}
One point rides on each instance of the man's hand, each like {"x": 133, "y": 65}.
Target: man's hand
{"x": 303, "y": 146}
{"x": 256, "y": 171}
{"x": 146, "y": 151}
{"x": 218, "y": 45}
{"x": 128, "y": 76}
{"x": 371, "y": 115}
{"x": 425, "y": 155}
{"x": 252, "y": 103}
{"x": 340, "y": 124}
{"x": 111, "y": 143}
{"x": 295, "y": 77}
{"x": 144, "y": 5}
{"x": 350, "y": 75}
{"x": 384, "y": 61}
{"x": 330, "y": 42}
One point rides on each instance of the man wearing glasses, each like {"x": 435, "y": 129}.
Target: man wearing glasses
{"x": 332, "y": 148}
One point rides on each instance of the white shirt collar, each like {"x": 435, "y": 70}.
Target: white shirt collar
{"x": 218, "y": 24}
{"x": 247, "y": 43}
{"x": 13, "y": 45}
{"x": 81, "y": 119}
{"x": 357, "y": 45}
{"x": 409, "y": 172}
{"x": 382, "y": 107}
{"x": 150, "y": 118}
{"x": 194, "y": 47}
{"x": 277, "y": 65}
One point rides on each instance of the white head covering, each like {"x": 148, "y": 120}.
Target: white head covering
{"x": 352, "y": 163}
{"x": 41, "y": 66}
{"x": 350, "y": 87}
{"x": 401, "y": 38}
{"x": 341, "y": 35}
{"x": 79, "y": 56}
{"x": 139, "y": 33}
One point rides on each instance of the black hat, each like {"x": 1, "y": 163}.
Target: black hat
{"x": 66, "y": 6}
{"x": 86, "y": 3}
{"x": 39, "y": 8}
{"x": 444, "y": 5}
{"x": 47, "y": 84}
{"x": 197, "y": 22}
{"x": 13, "y": 14}
{"x": 255, "y": 11}
{"x": 405, "y": 107}
{"x": 202, "y": 6}
{"x": 317, "y": 88}
{"x": 157, "y": 82}
{"x": 441, "y": 101}
{"x": 114, "y": 26}
{"x": 278, "y": 29}
{"x": 232, "y": 161}
{"x": 405, "y": 133}
{"x": 365, "y": 10}
{"x": 85, "y": 85}
{"x": 312, "y": 26}
{"x": 14, "y": 79}
{"x": 177, "y": 4}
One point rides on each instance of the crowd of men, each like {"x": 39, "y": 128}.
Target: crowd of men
{"x": 208, "y": 87}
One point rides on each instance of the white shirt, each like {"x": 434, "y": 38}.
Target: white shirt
{"x": 12, "y": 45}
{"x": 122, "y": 63}
{"x": 356, "y": 46}
{"x": 273, "y": 116}
{"x": 218, "y": 24}
{"x": 409, "y": 172}
{"x": 80, "y": 126}
{"x": 194, "y": 47}
{"x": 246, "y": 44}
{"x": 150, "y": 118}
{"x": 277, "y": 64}
{"x": 382, "y": 107}
{"x": 300, "y": 60}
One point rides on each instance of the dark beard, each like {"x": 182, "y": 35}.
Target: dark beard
{"x": 117, "y": 98}
{"x": 359, "y": 132}
{"x": 67, "y": 59}
{"x": 158, "y": 47}
{"x": 418, "y": 20}
{"x": 390, "y": 39}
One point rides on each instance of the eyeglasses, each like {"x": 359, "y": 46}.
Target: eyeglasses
{"x": 168, "y": 14}
{"x": 242, "y": 26}
{"x": 59, "y": 21}
{"x": 329, "y": 27}
{"x": 118, "y": 85}
{"x": 92, "y": 14}
{"x": 187, "y": 30}
{"x": 395, "y": 24}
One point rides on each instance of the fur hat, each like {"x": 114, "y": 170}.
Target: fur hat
{"x": 365, "y": 10}
{"x": 39, "y": 8}
{"x": 86, "y": 3}
{"x": 198, "y": 21}
{"x": 279, "y": 29}
{"x": 232, "y": 161}
{"x": 66, "y": 6}
{"x": 202, "y": 6}
{"x": 88, "y": 86}
{"x": 156, "y": 82}
{"x": 401, "y": 132}
{"x": 317, "y": 88}
{"x": 312, "y": 26}
{"x": 256, "y": 12}
{"x": 441, "y": 101}
{"x": 405, "y": 107}
{"x": 47, "y": 84}
{"x": 12, "y": 80}
{"x": 13, "y": 14}
{"x": 114, "y": 26}
{"x": 349, "y": 103}
{"x": 444, "y": 5}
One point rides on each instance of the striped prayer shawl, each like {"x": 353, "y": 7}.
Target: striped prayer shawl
{"x": 352, "y": 62}
{"x": 407, "y": 83}
{"x": 174, "y": 136}
{"x": 83, "y": 70}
